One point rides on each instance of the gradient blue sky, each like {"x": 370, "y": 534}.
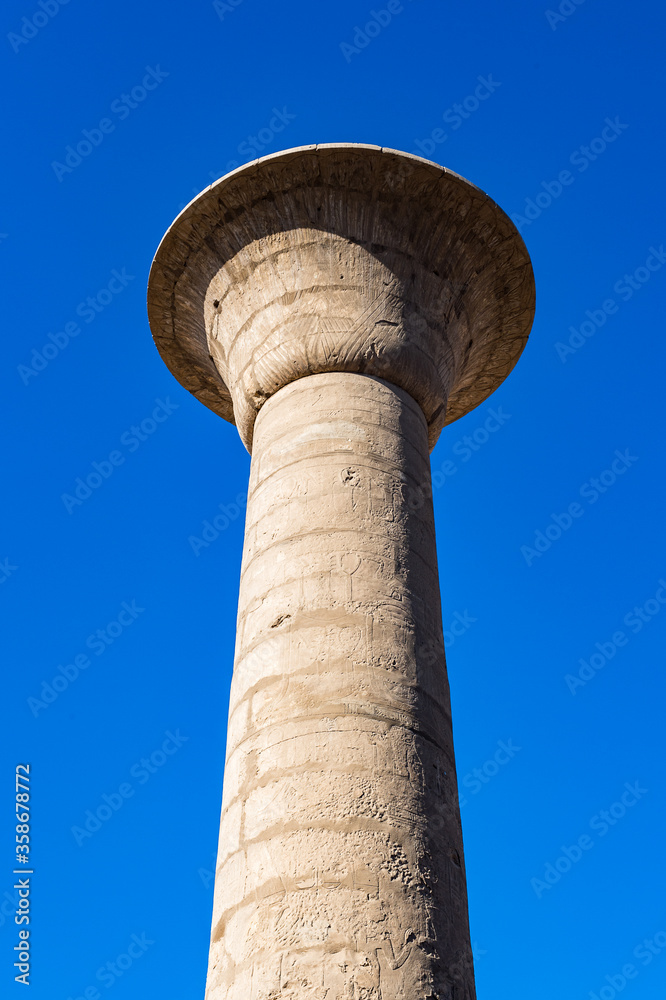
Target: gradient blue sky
{"x": 66, "y": 572}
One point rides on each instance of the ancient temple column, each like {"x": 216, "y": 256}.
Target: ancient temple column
{"x": 340, "y": 304}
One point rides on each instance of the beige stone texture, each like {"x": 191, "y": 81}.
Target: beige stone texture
{"x": 340, "y": 304}
{"x": 340, "y": 868}
{"x": 341, "y": 258}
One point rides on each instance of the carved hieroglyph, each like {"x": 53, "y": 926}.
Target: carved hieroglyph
{"x": 331, "y": 301}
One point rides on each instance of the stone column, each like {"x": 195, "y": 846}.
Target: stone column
{"x": 332, "y": 301}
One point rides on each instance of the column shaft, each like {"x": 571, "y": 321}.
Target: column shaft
{"x": 340, "y": 870}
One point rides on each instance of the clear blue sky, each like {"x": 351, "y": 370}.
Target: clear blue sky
{"x": 73, "y": 231}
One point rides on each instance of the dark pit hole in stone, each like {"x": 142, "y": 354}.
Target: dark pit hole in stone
{"x": 216, "y": 303}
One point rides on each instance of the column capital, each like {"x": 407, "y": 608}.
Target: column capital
{"x": 347, "y": 258}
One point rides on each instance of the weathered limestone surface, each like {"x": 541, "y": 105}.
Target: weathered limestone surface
{"x": 340, "y": 858}
{"x": 341, "y": 258}
{"x": 340, "y": 304}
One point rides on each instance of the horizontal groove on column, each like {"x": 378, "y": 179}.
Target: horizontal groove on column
{"x": 415, "y": 348}
{"x": 414, "y": 726}
{"x": 339, "y": 703}
{"x": 351, "y": 615}
{"x": 342, "y": 454}
{"x": 315, "y": 533}
{"x": 245, "y": 263}
{"x": 280, "y": 397}
{"x": 281, "y": 771}
{"x": 288, "y": 298}
{"x": 334, "y": 947}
